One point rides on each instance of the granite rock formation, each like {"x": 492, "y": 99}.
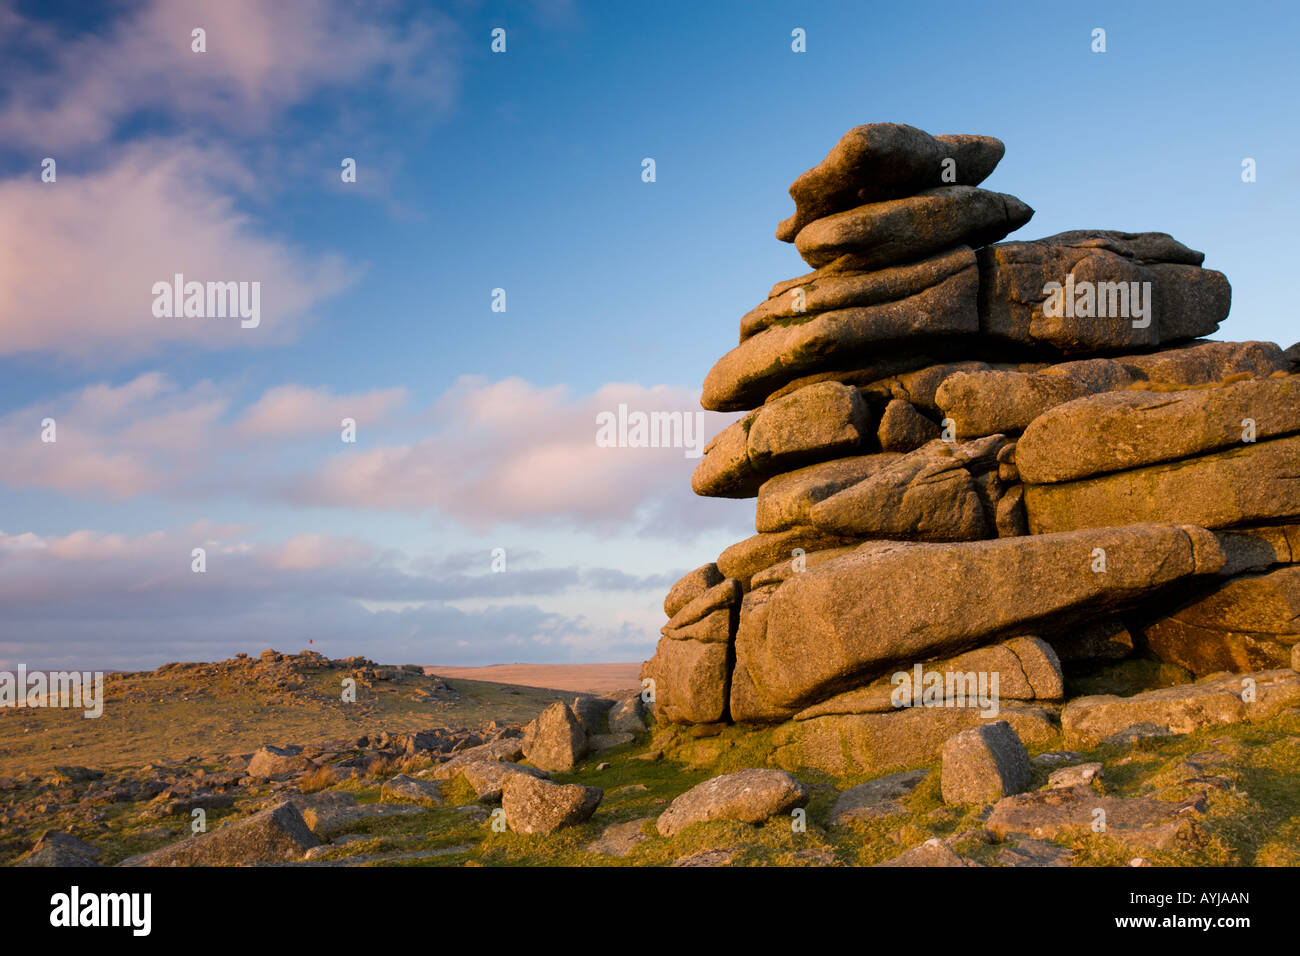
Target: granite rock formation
{"x": 974, "y": 459}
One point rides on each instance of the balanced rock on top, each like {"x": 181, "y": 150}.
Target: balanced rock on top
{"x": 884, "y": 161}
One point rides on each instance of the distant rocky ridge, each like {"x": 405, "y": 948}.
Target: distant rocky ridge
{"x": 980, "y": 457}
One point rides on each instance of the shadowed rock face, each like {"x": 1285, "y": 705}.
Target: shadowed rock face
{"x": 1247, "y": 623}
{"x": 969, "y": 454}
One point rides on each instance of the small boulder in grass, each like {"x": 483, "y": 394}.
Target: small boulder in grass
{"x": 532, "y": 805}
{"x": 55, "y": 849}
{"x": 276, "y": 834}
{"x": 1078, "y": 775}
{"x": 488, "y": 776}
{"x": 933, "y": 852}
{"x": 402, "y": 787}
{"x": 750, "y": 796}
{"x": 984, "y": 764}
{"x": 269, "y": 762}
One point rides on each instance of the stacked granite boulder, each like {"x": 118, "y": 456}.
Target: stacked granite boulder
{"x": 980, "y": 457}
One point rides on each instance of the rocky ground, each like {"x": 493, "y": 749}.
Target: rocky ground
{"x": 1193, "y": 773}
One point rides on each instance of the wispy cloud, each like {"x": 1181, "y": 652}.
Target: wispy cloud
{"x": 510, "y": 451}
{"x": 261, "y": 58}
{"x": 149, "y": 436}
{"x": 486, "y": 454}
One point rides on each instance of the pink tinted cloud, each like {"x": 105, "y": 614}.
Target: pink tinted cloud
{"x": 79, "y": 258}
{"x": 148, "y": 435}
{"x": 486, "y": 453}
{"x": 510, "y": 451}
{"x": 315, "y": 551}
{"x": 296, "y": 410}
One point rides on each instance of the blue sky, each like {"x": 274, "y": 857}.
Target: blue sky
{"x": 478, "y": 171}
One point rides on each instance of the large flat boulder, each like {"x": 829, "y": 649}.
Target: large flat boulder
{"x": 877, "y": 743}
{"x": 884, "y": 161}
{"x": 1101, "y": 280}
{"x": 502, "y": 749}
{"x": 1142, "y": 821}
{"x": 831, "y": 288}
{"x": 903, "y": 230}
{"x": 1248, "y": 623}
{"x": 1256, "y": 482}
{"x": 1130, "y": 429}
{"x": 852, "y": 618}
{"x": 1005, "y": 400}
{"x": 985, "y": 400}
{"x": 1023, "y": 668}
{"x": 1221, "y": 699}
{"x": 1205, "y": 363}
{"x": 746, "y": 558}
{"x": 776, "y": 356}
